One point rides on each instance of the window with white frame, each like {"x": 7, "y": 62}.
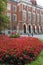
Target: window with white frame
{"x": 20, "y": 7}
{"x": 9, "y": 15}
{"x": 15, "y": 8}
{"x": 15, "y": 0}
{"x": 41, "y": 18}
{"x": 33, "y": 8}
{"x": 15, "y": 17}
{"x": 8, "y": 6}
{"x": 34, "y": 17}
{"x": 37, "y": 17}
{"x": 14, "y": 27}
{"x": 24, "y": 15}
{"x": 29, "y": 16}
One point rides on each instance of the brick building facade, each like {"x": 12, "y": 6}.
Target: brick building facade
{"x": 25, "y": 16}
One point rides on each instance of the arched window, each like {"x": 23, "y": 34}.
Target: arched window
{"x": 34, "y": 29}
{"x": 24, "y": 29}
{"x": 29, "y": 29}
{"x": 41, "y": 28}
{"x": 38, "y": 29}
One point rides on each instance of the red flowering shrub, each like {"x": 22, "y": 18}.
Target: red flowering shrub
{"x": 14, "y": 35}
{"x": 13, "y": 32}
{"x": 20, "y": 50}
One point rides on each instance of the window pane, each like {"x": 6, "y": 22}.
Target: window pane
{"x": 9, "y": 15}
{"x": 14, "y": 27}
{"x": 34, "y": 17}
{"x": 24, "y": 16}
{"x": 37, "y": 17}
{"x": 15, "y": 17}
{"x": 29, "y": 16}
{"x": 8, "y": 6}
{"x": 15, "y": 8}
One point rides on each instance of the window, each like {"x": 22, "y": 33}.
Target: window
{"x": 15, "y": 8}
{"x": 14, "y": 27}
{"x": 37, "y": 17}
{"x": 41, "y": 18}
{"x": 8, "y": 6}
{"x": 33, "y": 9}
{"x": 34, "y": 17}
{"x": 24, "y": 7}
{"x": 24, "y": 16}
{"x": 24, "y": 29}
{"x": 29, "y": 29}
{"x": 15, "y": 0}
{"x": 9, "y": 15}
{"x": 29, "y": 16}
{"x": 20, "y": 7}
{"x": 15, "y": 17}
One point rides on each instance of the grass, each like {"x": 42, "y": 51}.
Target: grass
{"x": 39, "y": 60}
{"x": 42, "y": 40}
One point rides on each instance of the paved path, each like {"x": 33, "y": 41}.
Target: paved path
{"x": 38, "y": 36}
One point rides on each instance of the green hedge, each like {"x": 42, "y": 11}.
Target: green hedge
{"x": 14, "y": 35}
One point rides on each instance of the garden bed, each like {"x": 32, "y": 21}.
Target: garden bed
{"x": 19, "y": 51}
{"x": 39, "y": 60}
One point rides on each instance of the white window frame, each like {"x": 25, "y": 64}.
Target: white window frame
{"x": 20, "y": 8}
{"x": 15, "y": 8}
{"x": 15, "y": 17}
{"x": 24, "y": 15}
{"x": 33, "y": 9}
{"x": 41, "y": 18}
{"x": 8, "y": 6}
{"x": 34, "y": 17}
{"x": 29, "y": 16}
{"x": 37, "y": 17}
{"x": 9, "y": 15}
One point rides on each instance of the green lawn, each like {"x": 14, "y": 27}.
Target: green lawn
{"x": 42, "y": 40}
{"x": 39, "y": 60}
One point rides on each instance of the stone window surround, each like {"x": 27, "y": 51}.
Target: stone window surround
{"x": 15, "y": 17}
{"x": 8, "y": 6}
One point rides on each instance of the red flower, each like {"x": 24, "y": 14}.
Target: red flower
{"x": 17, "y": 46}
